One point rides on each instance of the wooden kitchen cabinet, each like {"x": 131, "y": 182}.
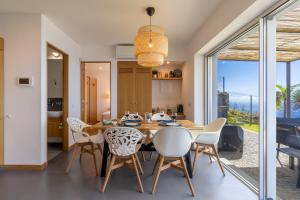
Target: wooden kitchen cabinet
{"x": 134, "y": 88}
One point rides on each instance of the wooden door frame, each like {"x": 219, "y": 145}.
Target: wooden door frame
{"x": 82, "y": 84}
{"x": 65, "y": 95}
{"x": 2, "y": 100}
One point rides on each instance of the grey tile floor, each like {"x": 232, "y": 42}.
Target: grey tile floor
{"x": 81, "y": 183}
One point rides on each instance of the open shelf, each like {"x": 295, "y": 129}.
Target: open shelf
{"x": 170, "y": 79}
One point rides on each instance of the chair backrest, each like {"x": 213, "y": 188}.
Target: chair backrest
{"x": 131, "y": 117}
{"x": 215, "y": 126}
{"x": 123, "y": 141}
{"x": 211, "y": 132}
{"x": 76, "y": 126}
{"x": 172, "y": 141}
{"x": 157, "y": 116}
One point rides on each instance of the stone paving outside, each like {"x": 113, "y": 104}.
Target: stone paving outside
{"x": 248, "y": 163}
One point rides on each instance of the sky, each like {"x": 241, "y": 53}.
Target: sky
{"x": 242, "y": 77}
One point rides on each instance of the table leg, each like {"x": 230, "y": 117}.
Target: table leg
{"x": 104, "y": 159}
{"x": 189, "y": 164}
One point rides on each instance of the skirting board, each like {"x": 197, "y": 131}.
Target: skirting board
{"x": 25, "y": 167}
{"x": 30, "y": 167}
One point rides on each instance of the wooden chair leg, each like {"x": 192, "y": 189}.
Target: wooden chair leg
{"x": 218, "y": 158}
{"x": 137, "y": 173}
{"x": 107, "y": 176}
{"x": 72, "y": 158}
{"x": 100, "y": 148}
{"x": 195, "y": 157}
{"x": 139, "y": 163}
{"x": 161, "y": 161}
{"x": 143, "y": 156}
{"x": 94, "y": 158}
{"x": 187, "y": 176}
{"x": 150, "y": 156}
{"x": 81, "y": 152}
{"x": 155, "y": 165}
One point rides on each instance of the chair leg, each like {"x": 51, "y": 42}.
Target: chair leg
{"x": 195, "y": 158}
{"x": 218, "y": 158}
{"x": 95, "y": 160}
{"x": 155, "y": 165}
{"x": 100, "y": 148}
{"x": 81, "y": 152}
{"x": 161, "y": 161}
{"x": 186, "y": 174}
{"x": 72, "y": 158}
{"x": 139, "y": 164}
{"x": 137, "y": 173}
{"x": 143, "y": 156}
{"x": 150, "y": 156}
{"x": 111, "y": 164}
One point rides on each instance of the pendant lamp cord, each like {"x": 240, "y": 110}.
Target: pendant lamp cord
{"x": 150, "y": 30}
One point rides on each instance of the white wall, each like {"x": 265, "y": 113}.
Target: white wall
{"x": 22, "y": 124}
{"x": 53, "y": 35}
{"x": 55, "y": 78}
{"x": 26, "y": 36}
{"x": 166, "y": 93}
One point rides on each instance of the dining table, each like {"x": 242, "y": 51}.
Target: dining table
{"x": 148, "y": 129}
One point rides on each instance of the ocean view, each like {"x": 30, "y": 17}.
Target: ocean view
{"x": 245, "y": 107}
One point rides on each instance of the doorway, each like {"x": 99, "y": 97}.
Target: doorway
{"x": 95, "y": 91}
{"x": 57, "y": 101}
{"x": 1, "y": 101}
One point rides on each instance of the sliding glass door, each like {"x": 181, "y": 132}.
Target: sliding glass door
{"x": 235, "y": 96}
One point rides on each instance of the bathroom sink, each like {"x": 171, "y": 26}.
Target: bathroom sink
{"x": 55, "y": 114}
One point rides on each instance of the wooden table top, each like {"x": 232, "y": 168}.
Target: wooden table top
{"x": 153, "y": 126}
{"x": 146, "y": 128}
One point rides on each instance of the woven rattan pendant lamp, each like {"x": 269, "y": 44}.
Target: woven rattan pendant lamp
{"x": 151, "y": 44}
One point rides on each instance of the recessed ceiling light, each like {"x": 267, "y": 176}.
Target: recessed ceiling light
{"x": 100, "y": 68}
{"x": 168, "y": 62}
{"x": 55, "y": 54}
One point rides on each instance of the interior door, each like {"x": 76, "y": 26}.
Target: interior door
{"x": 93, "y": 100}
{"x": 1, "y": 101}
{"x": 126, "y": 90}
{"x": 143, "y": 89}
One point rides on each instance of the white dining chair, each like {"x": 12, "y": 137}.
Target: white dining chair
{"x": 157, "y": 116}
{"x": 131, "y": 117}
{"x": 124, "y": 143}
{"x": 83, "y": 140}
{"x": 207, "y": 140}
{"x": 172, "y": 144}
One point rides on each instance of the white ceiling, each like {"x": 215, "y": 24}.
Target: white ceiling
{"x": 110, "y": 22}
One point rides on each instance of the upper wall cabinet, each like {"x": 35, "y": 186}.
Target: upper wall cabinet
{"x": 134, "y": 88}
